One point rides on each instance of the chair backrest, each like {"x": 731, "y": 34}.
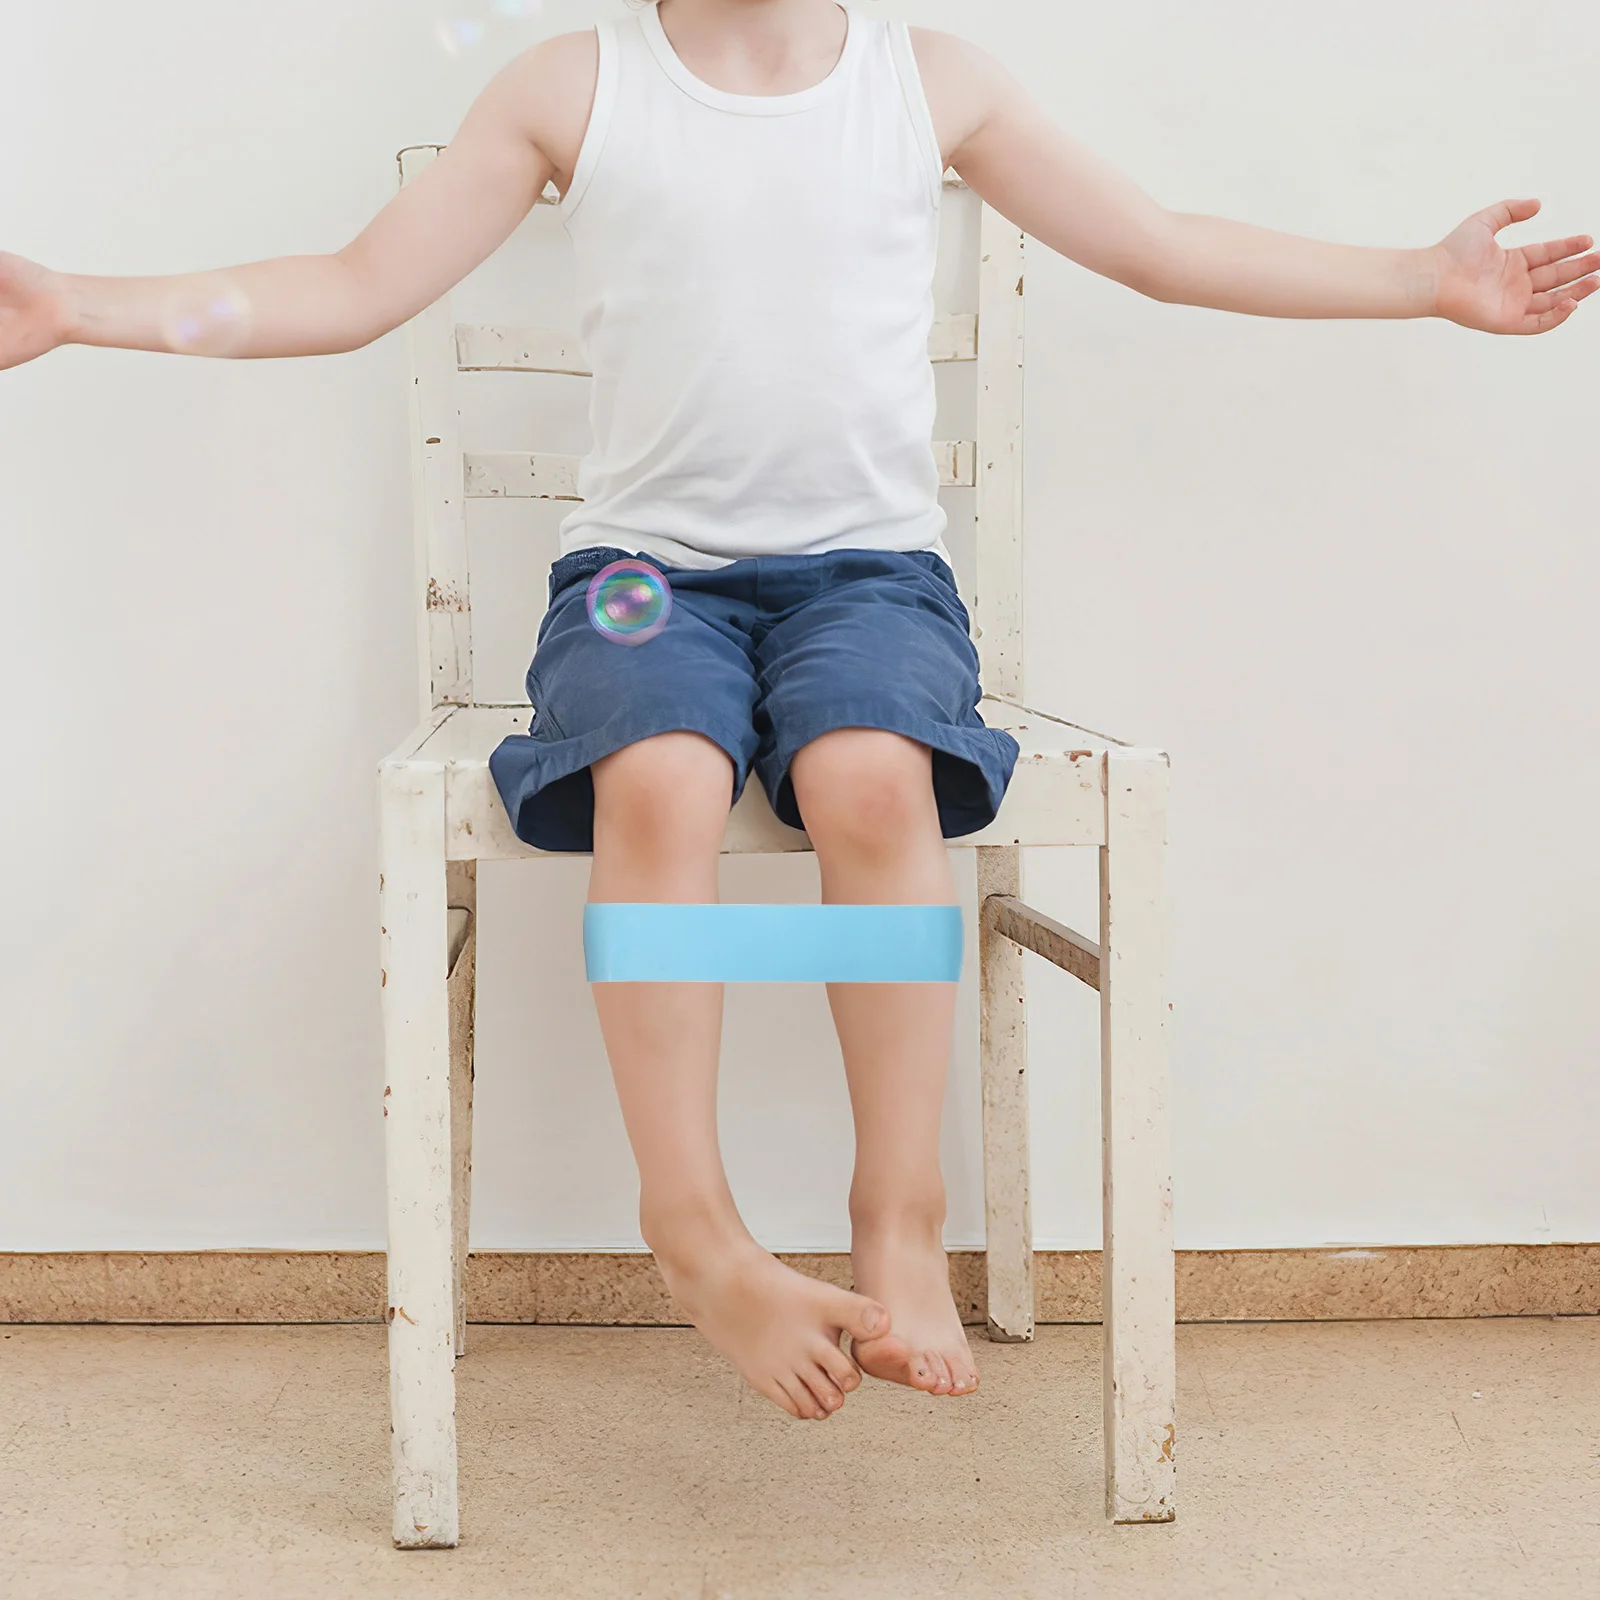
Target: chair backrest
{"x": 445, "y": 475}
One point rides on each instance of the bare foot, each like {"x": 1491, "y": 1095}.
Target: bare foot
{"x": 778, "y": 1327}
{"x": 906, "y": 1268}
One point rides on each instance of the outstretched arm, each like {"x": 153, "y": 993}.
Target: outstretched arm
{"x": 426, "y": 239}
{"x": 1001, "y": 142}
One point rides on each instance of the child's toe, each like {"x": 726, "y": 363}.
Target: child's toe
{"x": 825, "y": 1391}
{"x": 846, "y": 1375}
{"x": 804, "y": 1404}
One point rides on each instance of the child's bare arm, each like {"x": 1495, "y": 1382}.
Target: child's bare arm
{"x": 1000, "y": 141}
{"x": 523, "y": 130}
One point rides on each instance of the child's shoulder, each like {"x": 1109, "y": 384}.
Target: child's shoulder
{"x": 549, "y": 89}
{"x": 960, "y": 80}
{"x": 558, "y": 59}
{"x": 940, "y": 51}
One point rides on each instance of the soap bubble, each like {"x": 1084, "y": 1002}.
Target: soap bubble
{"x": 208, "y": 317}
{"x": 459, "y": 33}
{"x": 629, "y": 601}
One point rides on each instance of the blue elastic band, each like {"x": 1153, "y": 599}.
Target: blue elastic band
{"x": 772, "y": 944}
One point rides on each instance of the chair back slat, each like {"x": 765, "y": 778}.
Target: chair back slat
{"x": 957, "y": 461}
{"x": 481, "y": 348}
{"x": 954, "y": 339}
{"x": 512, "y": 475}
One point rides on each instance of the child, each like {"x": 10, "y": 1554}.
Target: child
{"x": 752, "y": 187}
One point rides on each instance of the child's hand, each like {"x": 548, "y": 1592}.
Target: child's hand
{"x": 1530, "y": 289}
{"x": 34, "y": 312}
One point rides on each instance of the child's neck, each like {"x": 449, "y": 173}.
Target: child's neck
{"x": 756, "y": 46}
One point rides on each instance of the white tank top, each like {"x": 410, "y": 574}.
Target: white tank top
{"x": 755, "y": 278}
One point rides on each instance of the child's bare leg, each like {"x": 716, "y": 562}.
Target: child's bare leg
{"x": 867, "y": 800}
{"x": 660, "y": 808}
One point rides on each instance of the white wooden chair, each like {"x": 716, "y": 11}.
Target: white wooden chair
{"x": 441, "y": 815}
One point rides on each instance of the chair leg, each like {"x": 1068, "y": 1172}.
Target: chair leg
{"x": 462, "y": 891}
{"x": 416, "y": 1017}
{"x": 1003, "y": 1034}
{"x": 1138, "y": 1290}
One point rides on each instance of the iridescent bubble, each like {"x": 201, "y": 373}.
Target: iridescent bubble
{"x": 207, "y": 317}
{"x": 629, "y": 601}
{"x": 459, "y": 33}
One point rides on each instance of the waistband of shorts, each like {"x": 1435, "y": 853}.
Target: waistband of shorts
{"x": 578, "y": 566}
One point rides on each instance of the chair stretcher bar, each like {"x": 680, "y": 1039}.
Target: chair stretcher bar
{"x": 1044, "y": 936}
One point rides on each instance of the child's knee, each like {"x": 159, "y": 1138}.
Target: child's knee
{"x": 866, "y": 786}
{"x": 673, "y": 788}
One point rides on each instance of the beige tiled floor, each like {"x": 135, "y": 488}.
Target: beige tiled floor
{"x": 1416, "y": 1459}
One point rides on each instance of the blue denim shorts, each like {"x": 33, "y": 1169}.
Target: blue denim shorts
{"x": 761, "y": 657}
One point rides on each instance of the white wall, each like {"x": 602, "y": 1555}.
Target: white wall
{"x": 1345, "y": 573}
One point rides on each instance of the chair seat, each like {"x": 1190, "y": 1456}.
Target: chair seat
{"x": 1057, "y": 796}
